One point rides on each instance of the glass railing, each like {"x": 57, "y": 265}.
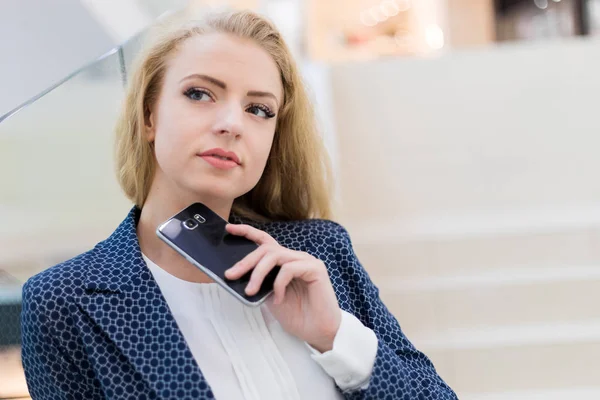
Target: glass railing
{"x": 59, "y": 192}
{"x": 59, "y": 195}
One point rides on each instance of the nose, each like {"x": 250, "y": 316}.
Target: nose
{"x": 229, "y": 120}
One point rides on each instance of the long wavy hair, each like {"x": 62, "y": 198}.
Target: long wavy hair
{"x": 296, "y": 182}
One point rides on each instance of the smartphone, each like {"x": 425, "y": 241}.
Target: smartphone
{"x": 199, "y": 235}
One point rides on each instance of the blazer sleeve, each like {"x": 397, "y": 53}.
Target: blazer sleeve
{"x": 49, "y": 371}
{"x": 400, "y": 370}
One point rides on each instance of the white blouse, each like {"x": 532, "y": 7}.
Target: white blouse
{"x": 245, "y": 354}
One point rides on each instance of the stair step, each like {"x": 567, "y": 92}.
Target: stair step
{"x": 500, "y": 277}
{"x": 467, "y": 255}
{"x": 517, "y": 358}
{"x": 474, "y": 224}
{"x": 512, "y": 336}
{"x": 493, "y": 299}
{"x": 589, "y": 393}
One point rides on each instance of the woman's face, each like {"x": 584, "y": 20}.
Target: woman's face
{"x": 214, "y": 120}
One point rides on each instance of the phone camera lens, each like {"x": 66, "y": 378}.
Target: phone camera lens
{"x": 190, "y": 224}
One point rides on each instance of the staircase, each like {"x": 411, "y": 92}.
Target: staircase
{"x": 502, "y": 316}
{"x": 470, "y": 187}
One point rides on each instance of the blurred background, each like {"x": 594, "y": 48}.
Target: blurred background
{"x": 464, "y": 136}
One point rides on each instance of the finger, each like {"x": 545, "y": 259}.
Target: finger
{"x": 247, "y": 263}
{"x": 273, "y": 257}
{"x": 264, "y": 266}
{"x": 251, "y": 233}
{"x": 289, "y": 271}
{"x": 278, "y": 256}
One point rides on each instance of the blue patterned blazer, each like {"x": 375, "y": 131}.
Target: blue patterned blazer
{"x": 97, "y": 326}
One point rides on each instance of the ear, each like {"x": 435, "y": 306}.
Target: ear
{"x": 149, "y": 125}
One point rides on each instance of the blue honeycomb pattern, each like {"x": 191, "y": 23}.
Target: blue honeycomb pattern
{"x": 97, "y": 326}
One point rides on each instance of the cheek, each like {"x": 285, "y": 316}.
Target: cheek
{"x": 261, "y": 150}
{"x": 169, "y": 147}
{"x": 264, "y": 145}
{"x": 174, "y": 132}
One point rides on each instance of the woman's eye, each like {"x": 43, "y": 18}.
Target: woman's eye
{"x": 198, "y": 95}
{"x": 260, "y": 111}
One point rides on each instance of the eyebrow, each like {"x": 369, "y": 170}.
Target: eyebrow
{"x": 222, "y": 85}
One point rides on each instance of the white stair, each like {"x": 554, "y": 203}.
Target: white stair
{"x": 493, "y": 299}
{"x": 570, "y": 394}
{"x": 502, "y": 316}
{"x": 507, "y": 360}
{"x": 470, "y": 189}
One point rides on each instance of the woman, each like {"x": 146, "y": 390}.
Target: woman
{"x": 216, "y": 113}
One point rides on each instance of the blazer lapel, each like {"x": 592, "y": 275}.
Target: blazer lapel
{"x": 123, "y": 299}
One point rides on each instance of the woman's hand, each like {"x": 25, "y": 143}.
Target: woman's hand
{"x": 304, "y": 300}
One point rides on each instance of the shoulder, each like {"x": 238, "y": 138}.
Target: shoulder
{"x": 324, "y": 239}
{"x": 60, "y": 281}
{"x": 329, "y": 242}
{"x": 308, "y": 233}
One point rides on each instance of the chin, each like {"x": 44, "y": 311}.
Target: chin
{"x": 219, "y": 189}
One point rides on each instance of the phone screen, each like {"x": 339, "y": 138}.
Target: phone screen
{"x": 199, "y": 235}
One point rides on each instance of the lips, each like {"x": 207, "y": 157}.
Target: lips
{"x": 222, "y": 154}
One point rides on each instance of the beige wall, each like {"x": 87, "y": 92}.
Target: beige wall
{"x": 470, "y": 23}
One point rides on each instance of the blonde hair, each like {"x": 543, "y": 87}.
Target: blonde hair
{"x": 296, "y": 181}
